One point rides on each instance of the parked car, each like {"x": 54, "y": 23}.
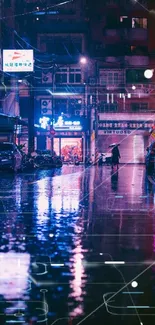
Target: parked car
{"x": 150, "y": 157}
{"x": 10, "y": 156}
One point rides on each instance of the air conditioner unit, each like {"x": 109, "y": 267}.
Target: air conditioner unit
{"x": 47, "y": 77}
{"x": 46, "y": 107}
{"x": 78, "y": 112}
{"x": 92, "y": 81}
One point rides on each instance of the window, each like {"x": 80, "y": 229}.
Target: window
{"x": 104, "y": 107}
{"x": 60, "y": 106}
{"x": 139, "y": 106}
{"x": 6, "y": 147}
{"x": 112, "y": 21}
{"x": 111, "y": 77}
{"x": 136, "y": 76}
{"x": 74, "y": 105}
{"x": 139, "y": 50}
{"x": 63, "y": 45}
{"x": 7, "y": 3}
{"x": 61, "y": 78}
{"x": 139, "y": 23}
{"x": 75, "y": 76}
{"x": 68, "y": 75}
{"x": 123, "y": 18}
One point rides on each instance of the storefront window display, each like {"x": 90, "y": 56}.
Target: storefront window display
{"x": 69, "y": 148}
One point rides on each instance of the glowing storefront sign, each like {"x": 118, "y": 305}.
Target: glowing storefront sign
{"x": 18, "y": 61}
{"x": 142, "y": 125}
{"x": 62, "y": 125}
{"x": 44, "y": 121}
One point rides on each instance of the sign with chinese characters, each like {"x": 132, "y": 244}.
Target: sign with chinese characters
{"x": 68, "y": 134}
{"x": 62, "y": 125}
{"x": 124, "y": 125}
{"x": 103, "y": 132}
{"x": 18, "y": 61}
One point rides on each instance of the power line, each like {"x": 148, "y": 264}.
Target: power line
{"x": 35, "y": 11}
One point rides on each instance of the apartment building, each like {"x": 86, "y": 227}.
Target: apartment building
{"x": 123, "y": 46}
{"x": 58, "y": 35}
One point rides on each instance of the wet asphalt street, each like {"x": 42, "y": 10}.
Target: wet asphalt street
{"x": 77, "y": 246}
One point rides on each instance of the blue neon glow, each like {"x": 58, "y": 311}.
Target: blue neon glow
{"x": 71, "y": 124}
{"x": 44, "y": 121}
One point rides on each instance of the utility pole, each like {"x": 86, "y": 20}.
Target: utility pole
{"x": 96, "y": 113}
{"x": 31, "y": 130}
{"x": 52, "y": 130}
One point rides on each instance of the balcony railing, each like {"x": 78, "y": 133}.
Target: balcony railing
{"x": 126, "y": 115}
{"x": 112, "y": 34}
{"x": 137, "y": 60}
{"x": 127, "y": 34}
{"x": 134, "y": 34}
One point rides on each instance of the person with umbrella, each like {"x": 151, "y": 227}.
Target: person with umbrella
{"x": 115, "y": 155}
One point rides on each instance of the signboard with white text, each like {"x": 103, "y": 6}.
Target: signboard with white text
{"x": 62, "y": 125}
{"x": 18, "y": 61}
{"x": 124, "y": 125}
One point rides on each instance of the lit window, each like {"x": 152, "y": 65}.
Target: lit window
{"x": 111, "y": 78}
{"x": 123, "y": 18}
{"x": 68, "y": 76}
{"x": 139, "y": 23}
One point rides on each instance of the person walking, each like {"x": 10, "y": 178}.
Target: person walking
{"x": 115, "y": 156}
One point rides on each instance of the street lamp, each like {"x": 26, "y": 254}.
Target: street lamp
{"x": 83, "y": 60}
{"x": 93, "y": 113}
{"x": 148, "y": 74}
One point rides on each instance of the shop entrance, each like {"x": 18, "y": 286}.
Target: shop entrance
{"x": 69, "y": 148}
{"x": 132, "y": 147}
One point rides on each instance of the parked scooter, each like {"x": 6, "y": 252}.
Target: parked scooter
{"x": 28, "y": 162}
{"x": 77, "y": 163}
{"x": 47, "y": 161}
{"x": 88, "y": 162}
{"x": 100, "y": 161}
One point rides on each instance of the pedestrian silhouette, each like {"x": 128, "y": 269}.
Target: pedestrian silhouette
{"x": 115, "y": 156}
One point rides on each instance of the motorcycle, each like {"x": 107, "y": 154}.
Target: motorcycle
{"x": 47, "y": 161}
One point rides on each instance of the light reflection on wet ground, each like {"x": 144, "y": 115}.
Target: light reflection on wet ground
{"x": 56, "y": 235}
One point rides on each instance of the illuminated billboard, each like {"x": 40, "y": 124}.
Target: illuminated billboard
{"x": 18, "y": 61}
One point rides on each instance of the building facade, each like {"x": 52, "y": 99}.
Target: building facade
{"x": 59, "y": 37}
{"x": 124, "y": 47}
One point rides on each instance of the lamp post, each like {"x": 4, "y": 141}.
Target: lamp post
{"x": 52, "y": 130}
{"x": 31, "y": 132}
{"x": 93, "y": 114}
{"x": 148, "y": 74}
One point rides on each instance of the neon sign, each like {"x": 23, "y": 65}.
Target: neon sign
{"x": 62, "y": 125}
{"x": 44, "y": 121}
